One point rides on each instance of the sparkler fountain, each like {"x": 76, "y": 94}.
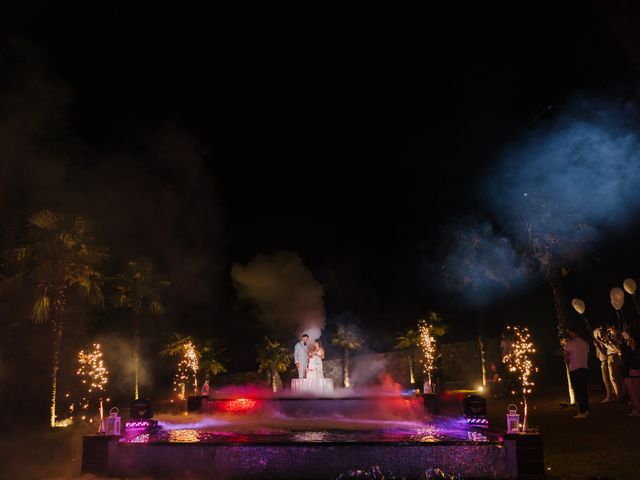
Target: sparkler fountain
{"x": 187, "y": 371}
{"x": 428, "y": 345}
{"x": 519, "y": 362}
{"x": 94, "y": 376}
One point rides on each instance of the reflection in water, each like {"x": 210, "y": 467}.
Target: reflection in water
{"x": 477, "y": 437}
{"x": 184, "y": 436}
{"x": 424, "y": 434}
{"x": 428, "y": 434}
{"x": 310, "y": 436}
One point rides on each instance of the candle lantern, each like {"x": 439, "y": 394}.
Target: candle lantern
{"x": 513, "y": 419}
{"x": 113, "y": 422}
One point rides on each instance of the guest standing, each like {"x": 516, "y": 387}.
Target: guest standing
{"x": 614, "y": 362}
{"x": 600, "y": 342}
{"x": 631, "y": 369}
{"x": 576, "y": 355}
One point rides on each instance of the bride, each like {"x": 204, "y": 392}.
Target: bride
{"x": 314, "y": 383}
{"x": 314, "y": 370}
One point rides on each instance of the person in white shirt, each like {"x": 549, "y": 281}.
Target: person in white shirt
{"x": 301, "y": 356}
{"x": 576, "y": 355}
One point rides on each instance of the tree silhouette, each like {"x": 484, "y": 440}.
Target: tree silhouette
{"x": 138, "y": 288}
{"x": 347, "y": 339}
{"x": 62, "y": 261}
{"x": 273, "y": 358}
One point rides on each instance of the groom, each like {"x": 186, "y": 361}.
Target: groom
{"x": 301, "y": 356}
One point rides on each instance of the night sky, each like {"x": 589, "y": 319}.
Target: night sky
{"x": 352, "y": 136}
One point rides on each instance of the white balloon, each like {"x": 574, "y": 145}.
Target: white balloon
{"x": 617, "y": 293}
{"x": 629, "y": 285}
{"x": 617, "y": 298}
{"x": 578, "y": 305}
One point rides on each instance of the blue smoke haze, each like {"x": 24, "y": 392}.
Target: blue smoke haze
{"x": 559, "y": 189}
{"x": 481, "y": 265}
{"x": 574, "y": 180}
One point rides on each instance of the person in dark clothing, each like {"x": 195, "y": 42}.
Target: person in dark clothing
{"x": 495, "y": 381}
{"x": 631, "y": 369}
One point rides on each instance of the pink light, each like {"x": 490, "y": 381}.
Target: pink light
{"x": 239, "y": 405}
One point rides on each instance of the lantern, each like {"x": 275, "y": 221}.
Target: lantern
{"x": 513, "y": 419}
{"x": 113, "y": 422}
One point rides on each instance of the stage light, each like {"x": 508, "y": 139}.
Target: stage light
{"x": 141, "y": 409}
{"x": 474, "y": 410}
{"x": 140, "y": 416}
{"x": 474, "y": 406}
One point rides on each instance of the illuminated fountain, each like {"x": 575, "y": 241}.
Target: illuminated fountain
{"x": 254, "y": 433}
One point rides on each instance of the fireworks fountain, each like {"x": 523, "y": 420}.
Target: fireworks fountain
{"x": 187, "y": 372}
{"x": 428, "y": 346}
{"x": 94, "y": 376}
{"x": 520, "y": 364}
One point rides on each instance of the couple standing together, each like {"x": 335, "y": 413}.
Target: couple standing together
{"x": 308, "y": 360}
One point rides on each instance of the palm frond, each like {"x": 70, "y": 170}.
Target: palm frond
{"x": 212, "y": 367}
{"x": 41, "y": 311}
{"x": 273, "y": 356}
{"x": 138, "y": 285}
{"x": 347, "y": 338}
{"x": 408, "y": 339}
{"x": 46, "y": 220}
{"x": 177, "y": 346}
{"x": 155, "y": 307}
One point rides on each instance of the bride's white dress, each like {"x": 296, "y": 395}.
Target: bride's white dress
{"x": 314, "y": 370}
{"x": 314, "y": 382}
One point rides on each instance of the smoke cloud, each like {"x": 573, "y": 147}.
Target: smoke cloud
{"x": 575, "y": 180}
{"x": 150, "y": 192}
{"x": 480, "y": 262}
{"x": 285, "y": 293}
{"x": 557, "y": 191}
{"x": 119, "y": 355}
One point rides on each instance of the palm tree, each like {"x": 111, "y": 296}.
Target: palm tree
{"x": 483, "y": 263}
{"x": 188, "y": 366}
{"x": 408, "y": 341}
{"x": 210, "y": 361}
{"x": 138, "y": 288}
{"x": 347, "y": 339}
{"x": 273, "y": 358}
{"x": 555, "y": 248}
{"x": 62, "y": 260}
{"x": 438, "y": 326}
{"x": 194, "y": 359}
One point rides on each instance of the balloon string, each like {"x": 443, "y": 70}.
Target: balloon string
{"x": 635, "y": 302}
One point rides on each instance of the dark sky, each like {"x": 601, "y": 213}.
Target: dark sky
{"x": 352, "y": 136}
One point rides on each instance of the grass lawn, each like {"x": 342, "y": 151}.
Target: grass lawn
{"x": 605, "y": 445}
